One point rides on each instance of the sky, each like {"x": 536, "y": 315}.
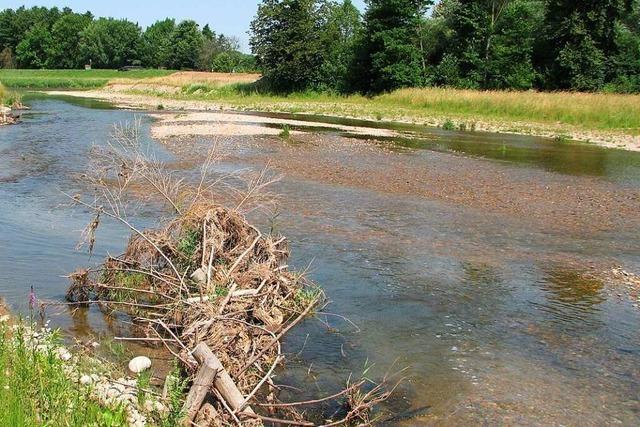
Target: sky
{"x": 230, "y": 17}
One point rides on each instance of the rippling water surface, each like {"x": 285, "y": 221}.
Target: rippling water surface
{"x": 494, "y": 318}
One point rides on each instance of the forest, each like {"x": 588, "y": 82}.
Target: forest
{"x": 469, "y": 44}
{"x": 330, "y": 46}
{"x": 55, "y": 38}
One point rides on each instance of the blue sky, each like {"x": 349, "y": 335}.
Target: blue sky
{"x": 230, "y": 17}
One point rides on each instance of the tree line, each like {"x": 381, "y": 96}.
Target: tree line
{"x": 40, "y": 37}
{"x": 478, "y": 44}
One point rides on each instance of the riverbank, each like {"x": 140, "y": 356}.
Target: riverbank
{"x": 608, "y": 120}
{"x": 43, "y": 382}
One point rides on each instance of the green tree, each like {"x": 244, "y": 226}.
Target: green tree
{"x": 32, "y": 51}
{"x": 286, "y": 39}
{"x": 390, "y": 55}
{"x": 212, "y": 48}
{"x": 579, "y": 37}
{"x": 234, "y": 62}
{"x": 186, "y": 45}
{"x": 14, "y": 25}
{"x": 489, "y": 43}
{"x": 110, "y": 43}
{"x": 624, "y": 66}
{"x": 66, "y": 34}
{"x": 207, "y": 33}
{"x": 339, "y": 37}
{"x": 157, "y": 44}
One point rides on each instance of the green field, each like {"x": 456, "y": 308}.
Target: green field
{"x": 70, "y": 79}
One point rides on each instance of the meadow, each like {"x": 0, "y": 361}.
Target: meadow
{"x": 70, "y": 79}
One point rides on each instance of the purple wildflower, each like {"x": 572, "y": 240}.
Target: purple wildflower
{"x": 32, "y": 299}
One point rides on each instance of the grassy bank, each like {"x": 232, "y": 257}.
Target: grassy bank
{"x": 587, "y": 111}
{"x": 43, "y": 383}
{"x": 35, "y": 388}
{"x": 70, "y": 79}
{"x": 8, "y": 97}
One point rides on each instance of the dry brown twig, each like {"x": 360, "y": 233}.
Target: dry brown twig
{"x": 205, "y": 250}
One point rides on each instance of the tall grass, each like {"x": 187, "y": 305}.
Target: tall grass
{"x": 36, "y": 390}
{"x": 598, "y": 110}
{"x": 70, "y": 79}
{"x": 587, "y": 111}
{"x": 8, "y": 97}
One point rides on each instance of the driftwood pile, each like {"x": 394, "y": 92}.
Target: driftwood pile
{"x": 207, "y": 281}
{"x": 207, "y": 285}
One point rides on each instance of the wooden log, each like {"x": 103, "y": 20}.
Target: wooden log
{"x": 221, "y": 381}
{"x": 205, "y": 377}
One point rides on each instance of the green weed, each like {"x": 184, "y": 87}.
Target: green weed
{"x": 448, "y": 125}
{"x": 285, "y": 133}
{"x": 176, "y": 387}
{"x": 36, "y": 390}
{"x": 189, "y": 244}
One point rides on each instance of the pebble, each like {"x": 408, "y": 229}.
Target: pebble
{"x": 64, "y": 354}
{"x": 139, "y": 364}
{"x": 85, "y": 380}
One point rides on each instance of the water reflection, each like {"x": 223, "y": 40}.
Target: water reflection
{"x": 572, "y": 299}
{"x": 570, "y": 158}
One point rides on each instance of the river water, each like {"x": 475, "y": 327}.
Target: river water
{"x": 463, "y": 257}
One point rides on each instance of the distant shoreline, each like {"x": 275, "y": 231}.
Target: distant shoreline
{"x": 143, "y": 96}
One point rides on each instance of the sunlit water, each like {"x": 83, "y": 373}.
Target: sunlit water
{"x": 491, "y": 323}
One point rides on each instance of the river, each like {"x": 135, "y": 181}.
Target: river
{"x": 463, "y": 257}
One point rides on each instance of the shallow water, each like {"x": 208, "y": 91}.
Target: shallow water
{"x": 493, "y": 315}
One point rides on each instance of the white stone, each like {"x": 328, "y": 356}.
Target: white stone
{"x": 85, "y": 380}
{"x": 199, "y": 276}
{"x": 139, "y": 364}
{"x": 64, "y": 354}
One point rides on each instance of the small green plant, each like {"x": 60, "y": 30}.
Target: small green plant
{"x": 220, "y": 291}
{"x": 188, "y": 245}
{"x": 144, "y": 383}
{"x": 561, "y": 139}
{"x": 128, "y": 279}
{"x": 160, "y": 107}
{"x": 378, "y": 116}
{"x": 306, "y": 295}
{"x": 285, "y": 133}
{"x": 116, "y": 350}
{"x": 448, "y": 125}
{"x": 462, "y": 126}
{"x": 176, "y": 387}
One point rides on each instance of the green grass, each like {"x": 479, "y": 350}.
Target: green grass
{"x": 285, "y": 133}
{"x": 35, "y": 389}
{"x": 70, "y": 79}
{"x": 582, "y": 111}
